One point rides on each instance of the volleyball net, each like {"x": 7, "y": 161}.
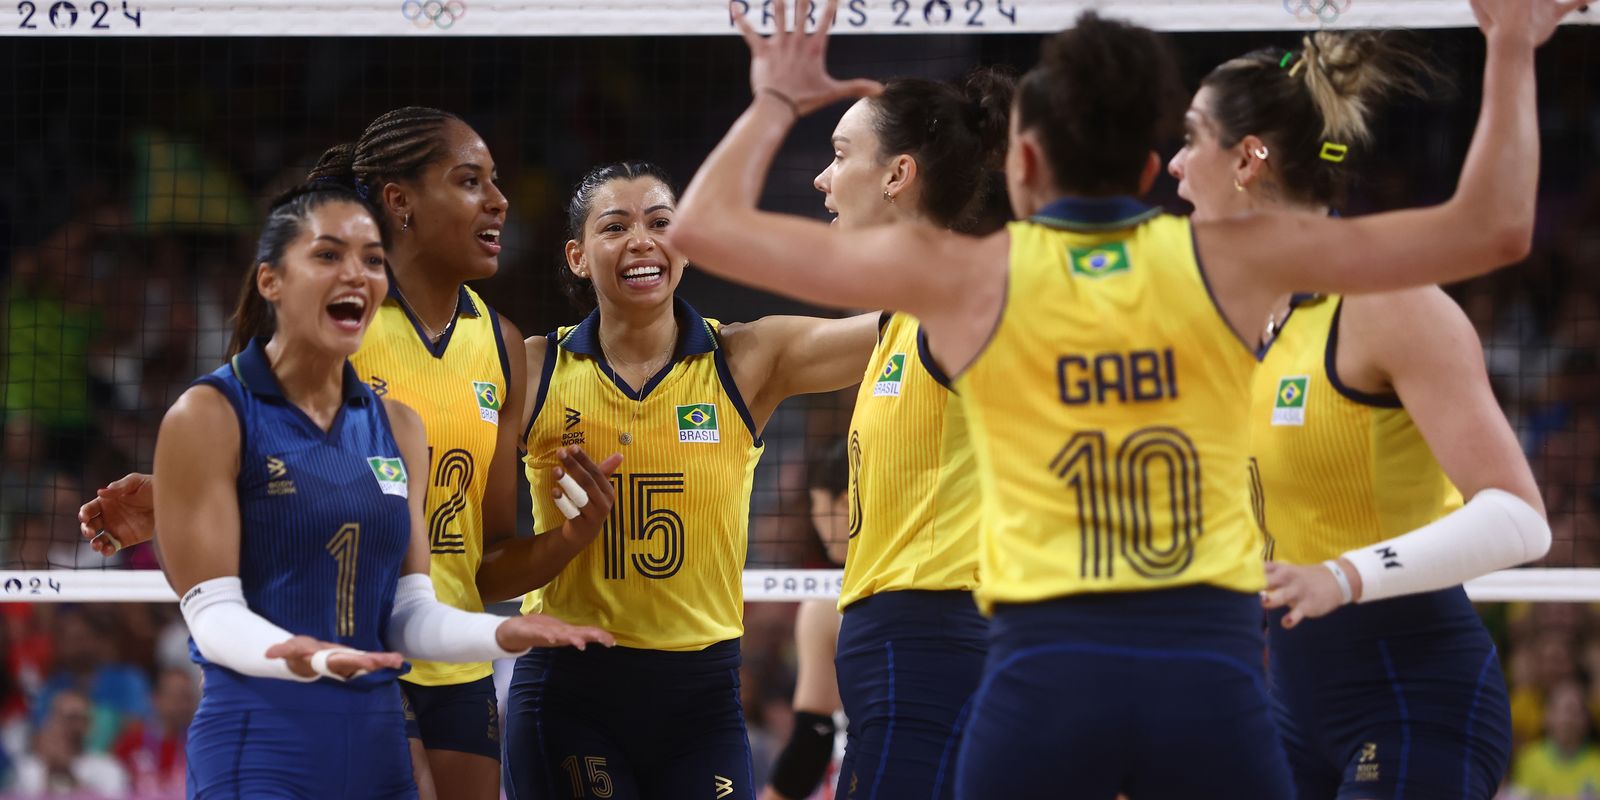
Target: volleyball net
{"x": 143, "y": 137}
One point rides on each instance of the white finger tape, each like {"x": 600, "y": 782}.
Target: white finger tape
{"x": 568, "y": 510}
{"x": 580, "y": 498}
{"x": 319, "y": 663}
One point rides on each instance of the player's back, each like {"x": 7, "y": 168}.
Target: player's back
{"x": 1105, "y": 410}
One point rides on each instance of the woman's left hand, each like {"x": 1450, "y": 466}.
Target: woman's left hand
{"x": 793, "y": 64}
{"x": 1307, "y": 590}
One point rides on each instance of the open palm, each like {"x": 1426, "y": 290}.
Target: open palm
{"x": 794, "y": 64}
{"x": 1530, "y": 21}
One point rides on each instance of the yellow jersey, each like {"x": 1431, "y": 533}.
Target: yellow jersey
{"x": 1542, "y": 771}
{"x": 1104, "y": 412}
{"x": 1333, "y": 469}
{"x": 457, "y": 386}
{"x": 666, "y": 573}
{"x": 913, "y": 482}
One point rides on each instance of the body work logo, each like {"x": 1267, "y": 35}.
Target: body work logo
{"x": 698, "y": 423}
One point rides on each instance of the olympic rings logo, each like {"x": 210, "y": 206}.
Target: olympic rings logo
{"x": 1326, "y": 11}
{"x": 424, "y": 14}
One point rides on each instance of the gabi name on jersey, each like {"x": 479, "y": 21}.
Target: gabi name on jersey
{"x": 1139, "y": 376}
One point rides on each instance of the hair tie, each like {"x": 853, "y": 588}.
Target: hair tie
{"x": 1298, "y": 65}
{"x": 363, "y": 190}
{"x": 1284, "y": 62}
{"x": 1334, "y": 152}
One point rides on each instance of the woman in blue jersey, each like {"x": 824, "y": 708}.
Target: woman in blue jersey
{"x": 1100, "y": 350}
{"x": 436, "y": 346}
{"x": 292, "y": 529}
{"x": 1361, "y": 497}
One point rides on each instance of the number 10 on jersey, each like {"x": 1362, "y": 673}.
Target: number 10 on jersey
{"x": 642, "y": 533}
{"x": 1120, "y": 501}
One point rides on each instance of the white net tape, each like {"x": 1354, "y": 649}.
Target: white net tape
{"x": 760, "y": 585}
{"x": 693, "y": 17}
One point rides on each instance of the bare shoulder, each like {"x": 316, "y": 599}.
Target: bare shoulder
{"x": 535, "y": 347}
{"x": 403, "y": 419}
{"x": 1408, "y": 318}
{"x": 202, "y": 407}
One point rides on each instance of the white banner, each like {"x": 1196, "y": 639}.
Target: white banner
{"x": 690, "y": 17}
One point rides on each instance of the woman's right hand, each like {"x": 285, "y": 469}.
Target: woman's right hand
{"x": 122, "y": 514}
{"x": 1529, "y": 22}
{"x": 299, "y": 650}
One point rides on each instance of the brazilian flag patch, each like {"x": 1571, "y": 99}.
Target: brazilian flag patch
{"x": 889, "y": 378}
{"x": 1289, "y": 406}
{"x": 698, "y": 423}
{"x": 1099, "y": 261}
{"x": 391, "y": 474}
{"x": 488, "y": 397}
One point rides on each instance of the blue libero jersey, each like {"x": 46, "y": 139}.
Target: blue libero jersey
{"x": 324, "y": 523}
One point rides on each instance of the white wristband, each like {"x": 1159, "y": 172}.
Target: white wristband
{"x": 1344, "y": 580}
{"x": 319, "y": 663}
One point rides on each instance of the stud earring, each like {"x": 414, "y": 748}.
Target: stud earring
{"x": 1260, "y": 152}
{"x": 887, "y": 196}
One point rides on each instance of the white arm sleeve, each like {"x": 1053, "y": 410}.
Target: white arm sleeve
{"x": 229, "y": 634}
{"x": 1496, "y": 530}
{"x": 422, "y": 627}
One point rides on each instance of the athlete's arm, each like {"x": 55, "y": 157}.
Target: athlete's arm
{"x": 516, "y": 566}
{"x": 1419, "y": 345}
{"x": 422, "y": 627}
{"x": 500, "y": 495}
{"x": 197, "y": 452}
{"x": 804, "y": 761}
{"x": 1488, "y": 223}
{"x": 941, "y": 277}
{"x": 777, "y": 357}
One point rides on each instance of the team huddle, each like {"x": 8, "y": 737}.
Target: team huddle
{"x": 1101, "y": 458}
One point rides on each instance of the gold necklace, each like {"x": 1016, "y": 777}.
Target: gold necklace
{"x": 432, "y": 337}
{"x": 651, "y": 368}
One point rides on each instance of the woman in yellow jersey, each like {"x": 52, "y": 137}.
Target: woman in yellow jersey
{"x": 804, "y": 761}
{"x": 912, "y": 643}
{"x": 1103, "y": 371}
{"x": 436, "y": 346}
{"x": 685, "y": 399}
{"x": 1367, "y": 415}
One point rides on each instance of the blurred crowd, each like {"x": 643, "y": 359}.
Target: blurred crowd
{"x": 126, "y": 223}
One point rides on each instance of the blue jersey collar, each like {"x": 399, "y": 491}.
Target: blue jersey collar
{"x": 254, "y": 371}
{"x": 694, "y": 334}
{"x": 1090, "y": 214}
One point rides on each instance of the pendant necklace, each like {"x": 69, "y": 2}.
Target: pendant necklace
{"x": 626, "y": 436}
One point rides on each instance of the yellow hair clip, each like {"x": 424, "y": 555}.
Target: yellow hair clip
{"x": 1297, "y": 65}
{"x": 1332, "y": 151}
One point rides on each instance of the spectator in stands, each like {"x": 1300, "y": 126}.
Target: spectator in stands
{"x": 59, "y": 763}
{"x": 1565, "y": 765}
{"x": 152, "y": 750}
{"x": 86, "y": 662}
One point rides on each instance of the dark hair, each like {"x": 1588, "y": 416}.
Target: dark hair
{"x": 956, "y": 134}
{"x": 253, "y": 316}
{"x": 1104, "y": 95}
{"x": 831, "y": 471}
{"x": 395, "y": 147}
{"x": 1298, "y": 104}
{"x": 581, "y": 290}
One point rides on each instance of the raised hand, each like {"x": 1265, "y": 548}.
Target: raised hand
{"x": 794, "y": 65}
{"x": 537, "y": 630}
{"x": 1529, "y": 22}
{"x": 348, "y": 664}
{"x": 122, "y": 514}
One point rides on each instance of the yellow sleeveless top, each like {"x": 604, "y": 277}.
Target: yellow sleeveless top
{"x": 457, "y": 386}
{"x": 667, "y": 571}
{"x": 1104, "y": 411}
{"x": 913, "y": 480}
{"x": 1333, "y": 469}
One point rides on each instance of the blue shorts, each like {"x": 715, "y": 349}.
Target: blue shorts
{"x": 464, "y": 717}
{"x": 1398, "y": 698}
{"x": 627, "y": 724}
{"x": 1155, "y": 695}
{"x": 259, "y": 737}
{"x": 908, "y": 664}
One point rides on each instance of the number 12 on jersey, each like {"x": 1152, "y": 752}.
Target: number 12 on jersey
{"x": 1121, "y": 500}
{"x": 642, "y": 533}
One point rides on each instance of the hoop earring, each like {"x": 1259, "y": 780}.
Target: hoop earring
{"x": 1260, "y": 152}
